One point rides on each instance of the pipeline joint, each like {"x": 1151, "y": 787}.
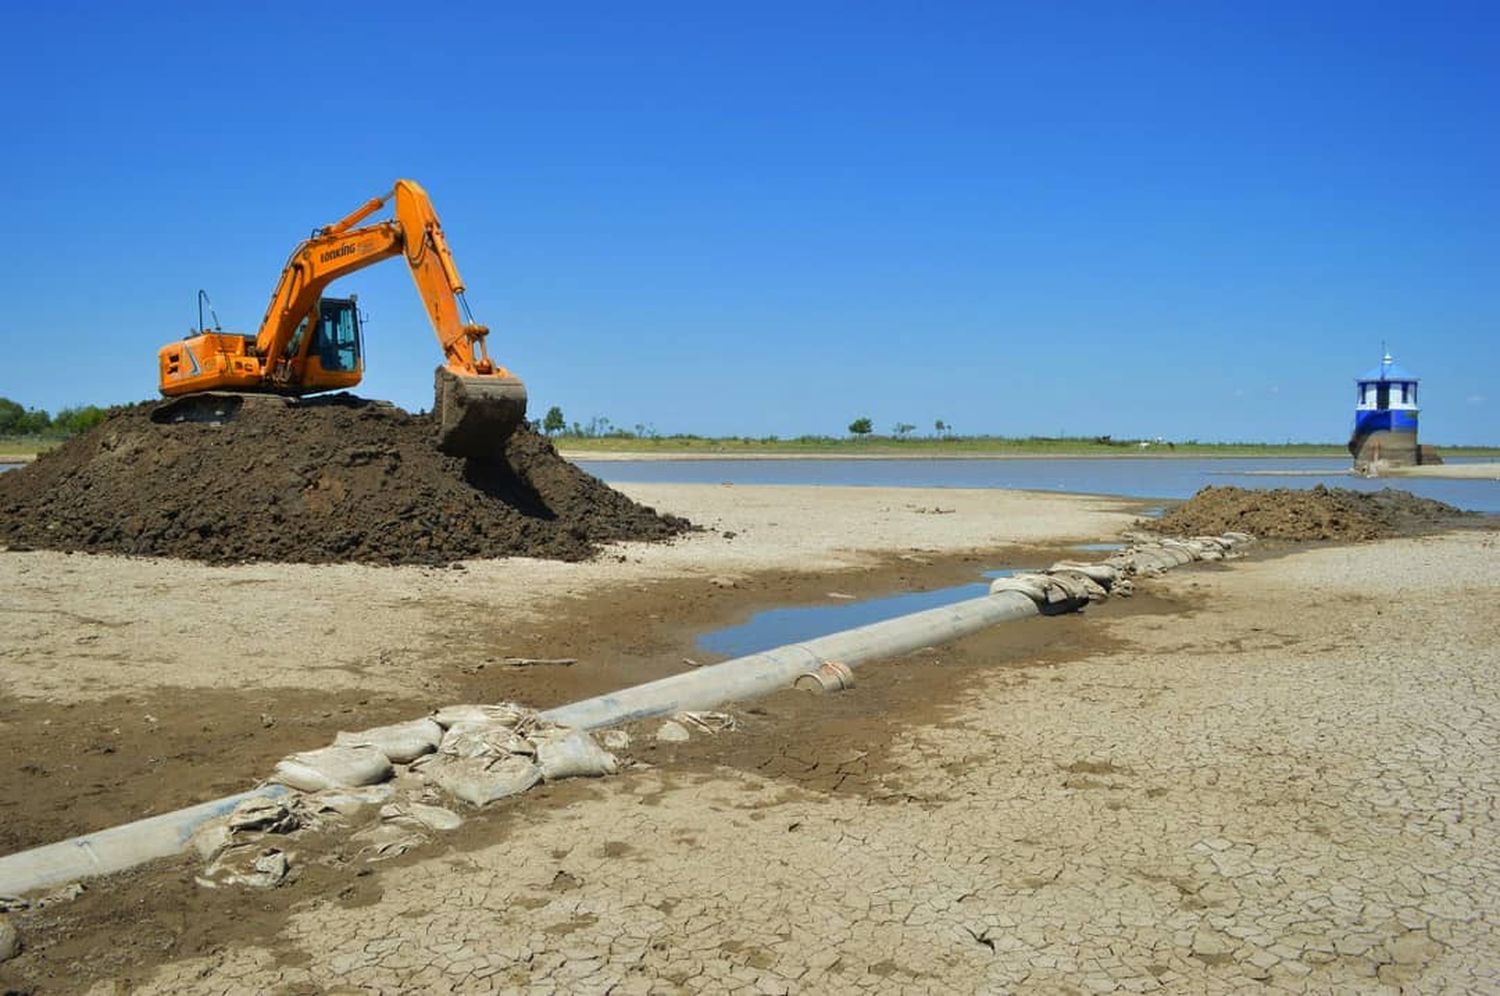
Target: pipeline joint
{"x": 830, "y": 676}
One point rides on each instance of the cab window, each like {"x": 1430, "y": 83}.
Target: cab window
{"x": 338, "y": 336}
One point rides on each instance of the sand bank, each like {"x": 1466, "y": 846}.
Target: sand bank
{"x": 1276, "y": 770}
{"x": 1248, "y": 792}
{"x": 79, "y": 626}
{"x": 1452, "y": 471}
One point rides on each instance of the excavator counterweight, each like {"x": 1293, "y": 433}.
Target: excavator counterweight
{"x": 309, "y": 343}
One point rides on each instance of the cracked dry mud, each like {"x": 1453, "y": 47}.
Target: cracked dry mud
{"x": 1289, "y": 787}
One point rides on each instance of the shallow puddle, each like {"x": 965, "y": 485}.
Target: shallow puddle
{"x": 778, "y": 627}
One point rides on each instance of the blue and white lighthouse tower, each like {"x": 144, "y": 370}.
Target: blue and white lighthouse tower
{"x": 1385, "y": 418}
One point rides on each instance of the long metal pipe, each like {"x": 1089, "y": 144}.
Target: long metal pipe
{"x": 131, "y": 844}
{"x": 116, "y": 848}
{"x": 760, "y": 674}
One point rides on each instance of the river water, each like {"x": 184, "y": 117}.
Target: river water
{"x": 1132, "y": 477}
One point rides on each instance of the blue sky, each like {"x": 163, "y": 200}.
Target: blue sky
{"x": 1195, "y": 220}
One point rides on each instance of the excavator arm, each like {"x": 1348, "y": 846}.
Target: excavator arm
{"x": 282, "y": 342}
{"x": 478, "y": 403}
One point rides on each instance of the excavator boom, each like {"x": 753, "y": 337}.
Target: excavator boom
{"x": 307, "y": 343}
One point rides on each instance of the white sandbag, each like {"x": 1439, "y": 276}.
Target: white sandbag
{"x": 210, "y": 838}
{"x": 419, "y": 816}
{"x": 10, "y": 940}
{"x": 1059, "y": 590}
{"x": 565, "y": 753}
{"x": 380, "y": 841}
{"x": 347, "y": 802}
{"x": 249, "y": 865}
{"x": 1151, "y": 561}
{"x": 1079, "y": 585}
{"x": 1183, "y": 553}
{"x": 1033, "y": 586}
{"x": 672, "y": 732}
{"x": 502, "y": 714}
{"x": 615, "y": 739}
{"x": 332, "y": 768}
{"x": 262, "y": 815}
{"x": 477, "y": 782}
{"x": 403, "y": 743}
{"x": 486, "y": 740}
{"x": 1101, "y": 574}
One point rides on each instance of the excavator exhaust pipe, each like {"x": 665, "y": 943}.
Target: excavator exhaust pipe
{"x": 477, "y": 412}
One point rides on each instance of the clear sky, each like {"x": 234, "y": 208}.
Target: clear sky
{"x": 1194, "y": 219}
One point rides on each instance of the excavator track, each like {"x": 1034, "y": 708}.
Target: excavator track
{"x": 213, "y": 407}
{"x": 477, "y": 413}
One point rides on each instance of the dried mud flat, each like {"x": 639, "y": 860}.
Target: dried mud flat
{"x": 1206, "y": 788}
{"x": 134, "y": 685}
{"x": 1210, "y": 790}
{"x": 335, "y": 479}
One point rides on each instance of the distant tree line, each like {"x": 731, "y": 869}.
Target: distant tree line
{"x": 598, "y": 427}
{"x": 18, "y": 420}
{"x": 864, "y": 426}
{"x": 555, "y": 423}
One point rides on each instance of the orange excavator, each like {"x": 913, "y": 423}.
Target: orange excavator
{"x": 309, "y": 343}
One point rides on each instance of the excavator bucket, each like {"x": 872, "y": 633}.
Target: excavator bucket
{"x": 477, "y": 413}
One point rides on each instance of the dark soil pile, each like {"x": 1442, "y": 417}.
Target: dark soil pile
{"x": 1318, "y": 513}
{"x": 330, "y": 479}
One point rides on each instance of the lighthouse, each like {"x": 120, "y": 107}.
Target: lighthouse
{"x": 1385, "y": 419}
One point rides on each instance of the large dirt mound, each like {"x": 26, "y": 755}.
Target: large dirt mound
{"x": 331, "y": 479}
{"x": 1317, "y": 513}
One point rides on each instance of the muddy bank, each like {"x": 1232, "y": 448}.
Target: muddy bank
{"x": 1116, "y": 822}
{"x": 336, "y": 479}
{"x": 86, "y": 765}
{"x": 839, "y": 746}
{"x": 1319, "y": 513}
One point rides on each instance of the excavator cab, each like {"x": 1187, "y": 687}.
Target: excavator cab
{"x": 339, "y": 342}
{"x": 335, "y": 358}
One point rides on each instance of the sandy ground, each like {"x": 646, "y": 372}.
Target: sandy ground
{"x": 131, "y": 686}
{"x": 76, "y": 627}
{"x": 1455, "y": 471}
{"x": 1279, "y": 771}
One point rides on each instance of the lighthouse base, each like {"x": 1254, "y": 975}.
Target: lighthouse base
{"x": 1374, "y": 450}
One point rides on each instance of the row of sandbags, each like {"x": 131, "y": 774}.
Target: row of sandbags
{"x": 1069, "y": 585}
{"x": 480, "y": 753}
{"x": 473, "y": 753}
{"x": 469, "y": 753}
{"x": 1152, "y": 556}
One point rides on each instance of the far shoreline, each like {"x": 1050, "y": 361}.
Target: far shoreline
{"x": 1451, "y": 471}
{"x": 1476, "y": 470}
{"x": 607, "y": 456}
